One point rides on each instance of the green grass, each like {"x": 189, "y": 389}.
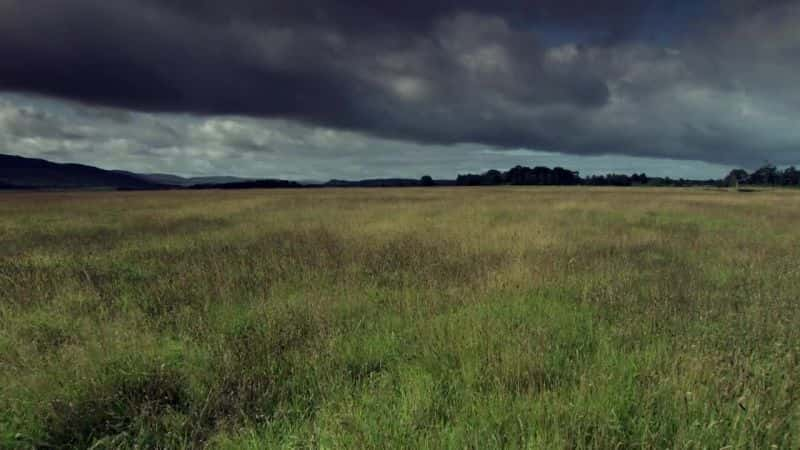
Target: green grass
{"x": 400, "y": 318}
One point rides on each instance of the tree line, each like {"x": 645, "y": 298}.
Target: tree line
{"x": 558, "y": 176}
{"x": 767, "y": 175}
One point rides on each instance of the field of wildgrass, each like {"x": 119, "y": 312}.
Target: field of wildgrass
{"x": 400, "y": 318}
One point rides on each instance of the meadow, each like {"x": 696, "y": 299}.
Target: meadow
{"x": 504, "y": 317}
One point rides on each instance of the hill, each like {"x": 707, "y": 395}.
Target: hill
{"x": 39, "y": 173}
{"x": 176, "y": 180}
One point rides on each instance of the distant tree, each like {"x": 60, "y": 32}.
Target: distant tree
{"x": 492, "y": 178}
{"x": 614, "y": 179}
{"x": 539, "y": 175}
{"x": 737, "y": 177}
{"x": 559, "y": 176}
{"x": 596, "y": 180}
{"x": 790, "y": 177}
{"x": 426, "y": 180}
{"x": 566, "y": 177}
{"x": 468, "y": 180}
{"x": 767, "y": 174}
{"x": 637, "y": 178}
{"x": 516, "y": 175}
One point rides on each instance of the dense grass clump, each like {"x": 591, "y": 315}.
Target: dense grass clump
{"x": 442, "y": 318}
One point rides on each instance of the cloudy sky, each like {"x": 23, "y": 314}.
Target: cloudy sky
{"x": 316, "y": 89}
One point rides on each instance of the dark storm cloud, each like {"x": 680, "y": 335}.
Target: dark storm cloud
{"x": 562, "y": 75}
{"x": 307, "y": 59}
{"x": 414, "y": 15}
{"x": 126, "y": 54}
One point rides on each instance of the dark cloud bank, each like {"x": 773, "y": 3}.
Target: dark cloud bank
{"x": 712, "y": 81}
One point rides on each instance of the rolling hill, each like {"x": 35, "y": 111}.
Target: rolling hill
{"x": 20, "y": 172}
{"x": 176, "y": 180}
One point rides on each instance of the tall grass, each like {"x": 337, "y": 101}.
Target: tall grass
{"x": 410, "y": 318}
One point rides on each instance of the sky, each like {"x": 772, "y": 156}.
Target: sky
{"x": 319, "y": 89}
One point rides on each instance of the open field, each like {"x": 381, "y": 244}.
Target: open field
{"x": 441, "y": 318}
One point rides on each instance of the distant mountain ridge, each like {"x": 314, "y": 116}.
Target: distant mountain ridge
{"x": 18, "y": 172}
{"x": 176, "y": 180}
{"x": 21, "y": 172}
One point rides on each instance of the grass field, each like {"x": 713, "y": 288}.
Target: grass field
{"x": 401, "y": 318}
